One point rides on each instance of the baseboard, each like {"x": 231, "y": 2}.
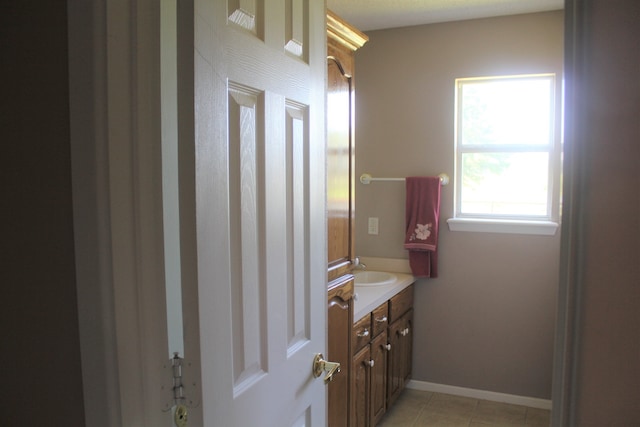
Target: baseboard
{"x": 531, "y": 402}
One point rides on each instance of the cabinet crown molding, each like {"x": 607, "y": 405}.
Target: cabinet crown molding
{"x": 345, "y": 34}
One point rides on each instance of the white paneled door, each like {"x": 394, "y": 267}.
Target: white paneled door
{"x": 259, "y": 210}
{"x": 210, "y": 202}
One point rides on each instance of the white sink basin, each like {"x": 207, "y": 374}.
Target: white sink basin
{"x": 374, "y": 278}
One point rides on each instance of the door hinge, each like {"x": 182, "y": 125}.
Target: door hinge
{"x": 183, "y": 385}
{"x": 178, "y": 387}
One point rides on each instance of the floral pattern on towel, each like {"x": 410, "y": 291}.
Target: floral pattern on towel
{"x": 422, "y": 232}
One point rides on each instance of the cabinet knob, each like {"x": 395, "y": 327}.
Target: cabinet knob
{"x": 381, "y": 319}
{"x": 372, "y": 362}
{"x": 388, "y": 347}
{"x": 363, "y": 334}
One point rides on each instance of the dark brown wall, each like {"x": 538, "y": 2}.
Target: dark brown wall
{"x": 605, "y": 152}
{"x": 42, "y": 384}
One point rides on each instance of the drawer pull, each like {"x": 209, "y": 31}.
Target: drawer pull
{"x": 388, "y": 347}
{"x": 371, "y": 363}
{"x": 363, "y": 334}
{"x": 381, "y": 319}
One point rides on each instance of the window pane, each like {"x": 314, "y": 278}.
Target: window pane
{"x": 510, "y": 111}
{"x": 504, "y": 184}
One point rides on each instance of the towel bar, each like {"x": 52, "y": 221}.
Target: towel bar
{"x": 365, "y": 178}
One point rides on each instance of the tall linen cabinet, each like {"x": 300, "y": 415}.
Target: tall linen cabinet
{"x": 342, "y": 42}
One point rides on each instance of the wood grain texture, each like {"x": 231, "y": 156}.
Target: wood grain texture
{"x": 340, "y": 320}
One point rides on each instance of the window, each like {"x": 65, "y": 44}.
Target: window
{"x": 506, "y": 154}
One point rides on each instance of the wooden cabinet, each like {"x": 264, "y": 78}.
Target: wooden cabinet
{"x": 369, "y": 368}
{"x": 400, "y": 343}
{"x": 339, "y": 323}
{"x": 360, "y": 388}
{"x": 382, "y": 346}
{"x": 369, "y": 382}
{"x": 342, "y": 42}
{"x": 378, "y": 378}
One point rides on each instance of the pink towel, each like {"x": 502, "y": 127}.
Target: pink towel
{"x": 422, "y": 213}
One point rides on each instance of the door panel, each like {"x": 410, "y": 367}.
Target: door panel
{"x": 296, "y": 234}
{"x": 259, "y": 178}
{"x": 248, "y": 237}
{"x": 246, "y": 247}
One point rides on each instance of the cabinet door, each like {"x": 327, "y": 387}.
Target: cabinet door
{"x": 339, "y": 321}
{"x": 378, "y": 388}
{"x": 400, "y": 355}
{"x": 340, "y": 182}
{"x": 407, "y": 348}
{"x": 360, "y": 388}
{"x": 342, "y": 42}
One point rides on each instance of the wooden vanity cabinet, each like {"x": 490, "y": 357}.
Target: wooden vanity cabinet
{"x": 369, "y": 383}
{"x": 381, "y": 366}
{"x": 369, "y": 368}
{"x": 382, "y": 362}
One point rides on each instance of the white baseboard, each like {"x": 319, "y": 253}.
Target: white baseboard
{"x": 531, "y": 402}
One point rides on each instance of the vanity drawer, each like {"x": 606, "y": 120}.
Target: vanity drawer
{"x": 380, "y": 319}
{"x": 399, "y": 304}
{"x": 361, "y": 333}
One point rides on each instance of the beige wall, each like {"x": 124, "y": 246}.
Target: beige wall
{"x": 488, "y": 321}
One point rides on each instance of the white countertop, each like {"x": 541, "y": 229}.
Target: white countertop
{"x": 368, "y": 298}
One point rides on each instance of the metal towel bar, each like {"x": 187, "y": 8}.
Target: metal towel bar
{"x": 365, "y": 178}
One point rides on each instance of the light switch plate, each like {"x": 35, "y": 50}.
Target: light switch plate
{"x": 373, "y": 225}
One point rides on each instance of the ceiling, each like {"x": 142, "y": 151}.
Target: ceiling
{"x": 367, "y": 15}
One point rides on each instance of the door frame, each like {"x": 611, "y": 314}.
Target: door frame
{"x": 115, "y": 102}
{"x": 107, "y": 75}
{"x": 571, "y": 257}
{"x": 116, "y": 177}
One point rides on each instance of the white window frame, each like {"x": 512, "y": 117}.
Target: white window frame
{"x": 517, "y": 224}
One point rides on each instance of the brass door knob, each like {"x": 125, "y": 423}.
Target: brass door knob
{"x": 320, "y": 365}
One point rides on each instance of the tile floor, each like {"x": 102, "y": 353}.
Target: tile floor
{"x": 416, "y": 408}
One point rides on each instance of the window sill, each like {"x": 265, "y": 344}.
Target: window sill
{"x": 540, "y": 228}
